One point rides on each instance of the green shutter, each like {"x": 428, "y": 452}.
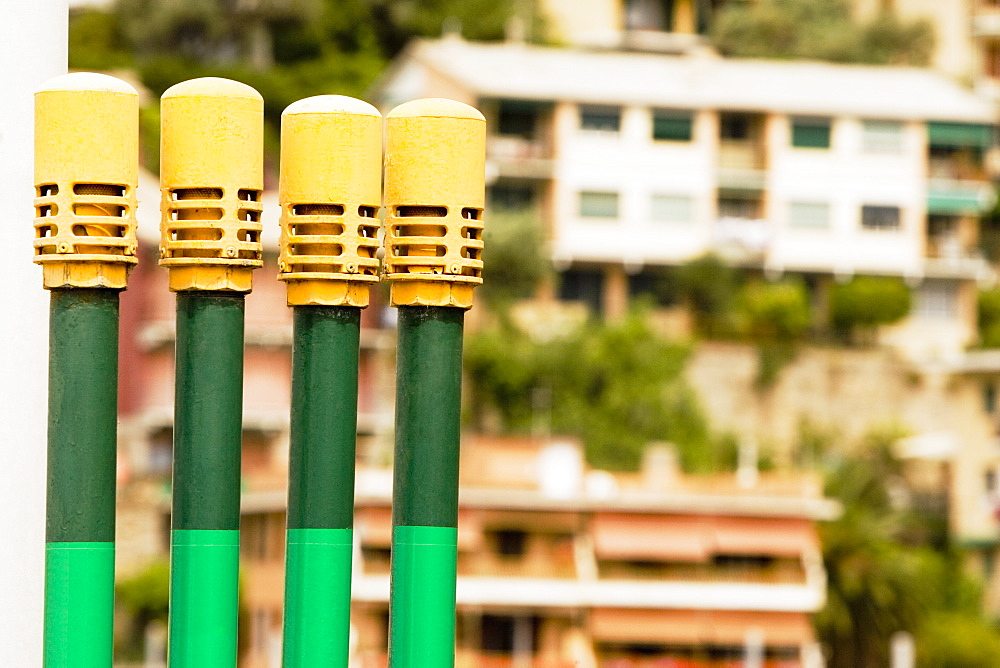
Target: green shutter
{"x": 960, "y": 134}
{"x": 672, "y": 126}
{"x": 811, "y": 134}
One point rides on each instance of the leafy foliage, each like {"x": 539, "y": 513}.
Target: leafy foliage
{"x": 821, "y": 30}
{"x": 867, "y": 302}
{"x": 615, "y": 386}
{"x": 96, "y": 41}
{"x": 988, "y": 316}
{"x": 709, "y": 287}
{"x": 515, "y": 260}
{"x": 775, "y": 311}
{"x": 888, "y": 570}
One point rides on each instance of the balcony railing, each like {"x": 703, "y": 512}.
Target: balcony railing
{"x": 517, "y": 157}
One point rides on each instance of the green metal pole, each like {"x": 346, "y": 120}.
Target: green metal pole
{"x": 80, "y": 504}
{"x": 204, "y": 550}
{"x": 425, "y": 487}
{"x": 321, "y": 486}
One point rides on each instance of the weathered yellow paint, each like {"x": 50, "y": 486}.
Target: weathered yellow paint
{"x": 86, "y": 174}
{"x": 211, "y": 180}
{"x": 330, "y": 192}
{"x": 435, "y": 195}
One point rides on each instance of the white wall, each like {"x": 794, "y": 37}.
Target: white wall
{"x": 636, "y": 167}
{"x": 844, "y": 176}
{"x": 847, "y": 177}
{"x": 32, "y": 49}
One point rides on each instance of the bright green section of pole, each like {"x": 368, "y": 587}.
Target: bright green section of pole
{"x": 425, "y": 487}
{"x": 422, "y": 610}
{"x": 204, "y": 584}
{"x": 317, "y": 598}
{"x": 79, "y": 601}
{"x": 80, "y": 504}
{"x": 204, "y": 552}
{"x": 321, "y": 485}
{"x": 324, "y": 420}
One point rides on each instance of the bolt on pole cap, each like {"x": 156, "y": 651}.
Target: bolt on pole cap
{"x": 211, "y": 180}
{"x": 330, "y": 192}
{"x": 86, "y": 175}
{"x": 434, "y": 194}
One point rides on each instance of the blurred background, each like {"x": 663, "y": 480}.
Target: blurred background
{"x": 731, "y": 396}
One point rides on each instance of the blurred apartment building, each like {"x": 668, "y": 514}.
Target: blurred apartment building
{"x": 560, "y": 566}
{"x": 634, "y": 161}
{"x": 967, "y": 32}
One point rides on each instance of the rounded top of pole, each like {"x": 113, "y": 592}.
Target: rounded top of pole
{"x": 436, "y": 107}
{"x": 211, "y": 86}
{"x": 86, "y": 81}
{"x": 331, "y": 104}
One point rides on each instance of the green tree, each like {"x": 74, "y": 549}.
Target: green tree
{"x": 96, "y": 41}
{"x": 710, "y": 288}
{"x": 865, "y": 302}
{"x": 515, "y": 259}
{"x": 988, "y": 317}
{"x": 891, "y": 568}
{"x": 615, "y": 386}
{"x": 819, "y": 29}
{"x": 776, "y": 311}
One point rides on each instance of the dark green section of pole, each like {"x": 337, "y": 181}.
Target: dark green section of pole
{"x": 428, "y": 408}
{"x": 324, "y": 419}
{"x": 83, "y": 417}
{"x": 80, "y": 503}
{"x": 208, "y": 411}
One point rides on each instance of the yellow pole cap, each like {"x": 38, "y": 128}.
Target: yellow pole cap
{"x": 330, "y": 192}
{"x": 211, "y": 180}
{"x": 434, "y": 195}
{"x": 86, "y": 174}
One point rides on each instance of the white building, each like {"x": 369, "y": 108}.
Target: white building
{"x": 639, "y": 160}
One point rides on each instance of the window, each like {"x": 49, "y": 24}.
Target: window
{"x": 811, "y": 132}
{"x": 733, "y": 206}
{"x": 937, "y": 299}
{"x": 882, "y": 136}
{"x": 671, "y": 209}
{"x": 511, "y": 542}
{"x": 671, "y": 125}
{"x": 809, "y": 214}
{"x": 734, "y": 127}
{"x": 506, "y": 196}
{"x": 598, "y": 204}
{"x": 880, "y": 217}
{"x": 600, "y": 119}
{"x": 578, "y": 285}
{"x": 516, "y": 120}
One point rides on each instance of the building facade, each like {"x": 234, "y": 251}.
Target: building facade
{"x": 636, "y": 160}
{"x": 561, "y": 567}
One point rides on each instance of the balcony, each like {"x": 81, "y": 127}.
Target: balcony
{"x": 742, "y": 239}
{"x": 986, "y": 21}
{"x": 742, "y": 165}
{"x": 949, "y": 196}
{"x": 519, "y": 157}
